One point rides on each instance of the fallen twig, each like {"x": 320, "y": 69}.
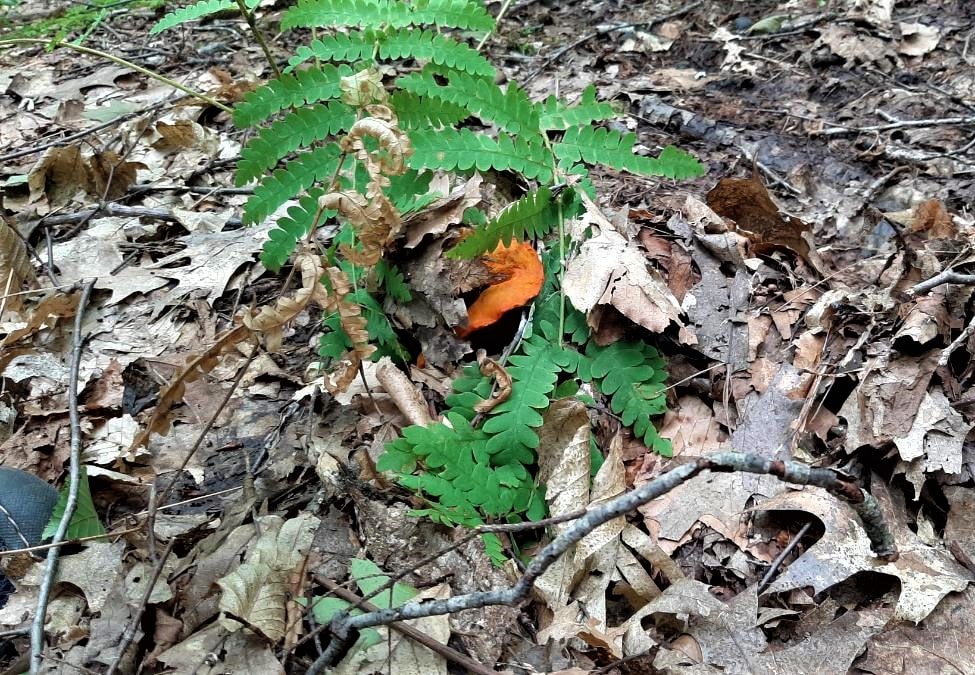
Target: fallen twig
{"x": 469, "y": 536}
{"x": 603, "y": 31}
{"x": 78, "y": 136}
{"x": 74, "y": 478}
{"x": 946, "y": 277}
{"x": 839, "y": 130}
{"x": 452, "y": 655}
{"x": 956, "y": 343}
{"x": 118, "y": 210}
{"x": 780, "y": 558}
{"x": 133, "y": 626}
{"x": 344, "y": 627}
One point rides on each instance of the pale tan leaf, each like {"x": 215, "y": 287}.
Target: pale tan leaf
{"x": 16, "y": 273}
{"x": 257, "y": 591}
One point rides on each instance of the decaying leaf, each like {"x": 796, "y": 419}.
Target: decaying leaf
{"x": 256, "y": 591}
{"x": 747, "y": 202}
{"x": 59, "y": 175}
{"x": 610, "y": 271}
{"x": 15, "y": 269}
{"x": 926, "y": 573}
{"x": 935, "y": 441}
{"x": 62, "y": 172}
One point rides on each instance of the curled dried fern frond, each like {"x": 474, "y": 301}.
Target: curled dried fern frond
{"x": 394, "y": 144}
{"x": 355, "y": 327}
{"x": 172, "y": 392}
{"x": 270, "y": 321}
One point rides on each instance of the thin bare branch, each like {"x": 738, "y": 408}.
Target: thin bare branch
{"x": 74, "y": 478}
{"x": 344, "y": 627}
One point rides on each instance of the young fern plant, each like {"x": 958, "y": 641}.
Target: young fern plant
{"x": 337, "y": 140}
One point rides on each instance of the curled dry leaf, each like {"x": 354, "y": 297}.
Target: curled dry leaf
{"x": 491, "y": 368}
{"x": 375, "y": 219}
{"x": 394, "y": 144}
{"x": 403, "y": 392}
{"x": 521, "y": 275}
{"x": 747, "y": 202}
{"x": 270, "y": 320}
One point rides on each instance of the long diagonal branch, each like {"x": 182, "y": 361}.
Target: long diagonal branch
{"x": 344, "y": 627}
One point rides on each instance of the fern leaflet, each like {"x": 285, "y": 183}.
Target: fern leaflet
{"x": 298, "y": 129}
{"x": 511, "y": 109}
{"x": 410, "y": 191}
{"x": 415, "y": 112}
{"x": 598, "y": 145}
{"x": 197, "y": 10}
{"x": 423, "y": 45}
{"x": 365, "y": 13}
{"x": 393, "y": 281}
{"x": 512, "y": 424}
{"x": 297, "y": 175}
{"x": 349, "y": 47}
{"x": 556, "y": 115}
{"x": 632, "y": 374}
{"x": 452, "y": 149}
{"x": 290, "y": 90}
{"x": 463, "y": 14}
{"x": 429, "y": 46}
{"x": 532, "y": 216}
{"x": 284, "y": 237}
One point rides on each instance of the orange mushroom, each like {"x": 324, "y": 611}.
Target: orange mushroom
{"x": 520, "y": 275}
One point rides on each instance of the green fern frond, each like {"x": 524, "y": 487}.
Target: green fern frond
{"x": 348, "y": 47}
{"x": 391, "y": 45}
{"x": 393, "y": 281}
{"x": 290, "y": 90}
{"x": 457, "y": 471}
{"x": 632, "y": 374}
{"x": 415, "y": 112}
{"x": 333, "y": 342}
{"x": 532, "y": 216}
{"x": 410, "y": 191}
{"x": 462, "y": 14}
{"x": 556, "y": 115}
{"x": 380, "y": 330}
{"x": 283, "y": 239}
{"x": 672, "y": 163}
{"x": 469, "y": 389}
{"x": 297, "y": 130}
{"x": 197, "y": 10}
{"x": 512, "y": 424}
{"x": 427, "y": 45}
{"x": 452, "y": 149}
{"x": 598, "y": 145}
{"x": 364, "y": 13}
{"x": 510, "y": 109}
{"x": 293, "y": 178}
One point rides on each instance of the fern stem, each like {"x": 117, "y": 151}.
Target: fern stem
{"x": 321, "y": 209}
{"x": 561, "y": 273}
{"x": 497, "y": 21}
{"x": 9, "y": 42}
{"x": 259, "y": 36}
